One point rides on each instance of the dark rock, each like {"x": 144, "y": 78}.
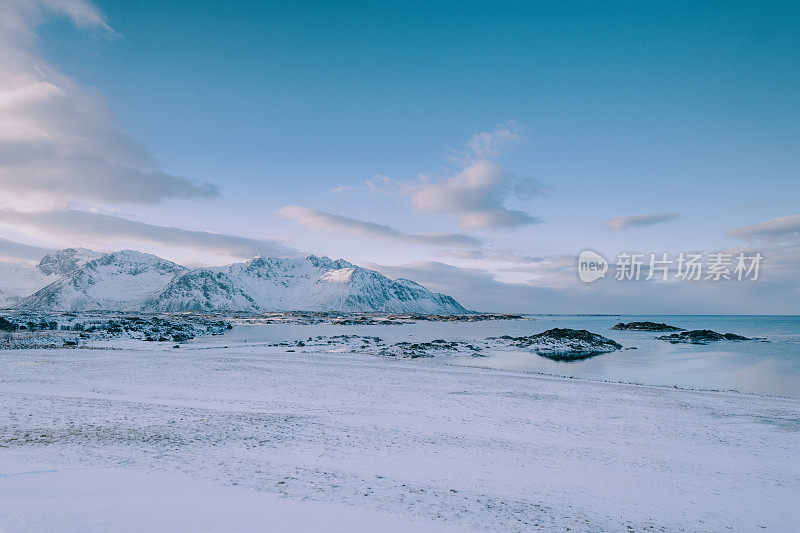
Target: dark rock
{"x": 646, "y": 326}
{"x": 563, "y": 344}
{"x": 701, "y": 336}
{"x": 735, "y": 337}
{"x": 570, "y": 355}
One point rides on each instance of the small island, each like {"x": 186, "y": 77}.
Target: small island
{"x": 701, "y": 336}
{"x": 564, "y": 344}
{"x": 645, "y": 326}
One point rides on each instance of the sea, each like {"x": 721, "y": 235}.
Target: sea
{"x": 769, "y": 365}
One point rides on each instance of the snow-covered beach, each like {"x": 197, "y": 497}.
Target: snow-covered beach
{"x": 399, "y": 266}
{"x": 225, "y": 436}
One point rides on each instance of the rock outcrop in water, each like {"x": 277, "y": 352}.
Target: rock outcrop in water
{"x": 377, "y": 346}
{"x": 557, "y": 344}
{"x": 701, "y": 336}
{"x": 563, "y": 344}
{"x": 645, "y": 326}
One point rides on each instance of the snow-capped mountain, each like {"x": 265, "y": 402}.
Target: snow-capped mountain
{"x": 135, "y": 281}
{"x": 20, "y": 280}
{"x": 120, "y": 281}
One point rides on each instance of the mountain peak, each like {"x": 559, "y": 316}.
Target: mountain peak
{"x": 66, "y": 261}
{"x": 319, "y": 261}
{"x": 135, "y": 255}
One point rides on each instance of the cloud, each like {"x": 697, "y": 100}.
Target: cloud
{"x": 477, "y": 192}
{"x": 638, "y": 221}
{"x": 80, "y": 226}
{"x": 462, "y": 254}
{"x": 480, "y": 290}
{"x": 476, "y": 196}
{"x": 557, "y": 290}
{"x": 377, "y": 184}
{"x": 474, "y": 288}
{"x": 500, "y": 255}
{"x": 18, "y": 18}
{"x": 777, "y": 229}
{"x": 318, "y": 220}
{"x": 15, "y": 252}
{"x": 59, "y": 142}
{"x": 490, "y": 144}
{"x": 748, "y": 205}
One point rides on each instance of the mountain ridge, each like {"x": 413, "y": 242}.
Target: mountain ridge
{"x": 129, "y": 280}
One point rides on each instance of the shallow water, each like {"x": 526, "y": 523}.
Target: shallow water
{"x": 771, "y": 367}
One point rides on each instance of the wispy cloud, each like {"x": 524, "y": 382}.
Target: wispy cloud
{"x": 477, "y": 193}
{"x": 499, "y": 255}
{"x": 773, "y": 230}
{"x": 637, "y": 221}
{"x": 83, "y": 227}
{"x": 492, "y": 143}
{"x": 59, "y": 142}
{"x": 377, "y": 184}
{"x": 319, "y": 220}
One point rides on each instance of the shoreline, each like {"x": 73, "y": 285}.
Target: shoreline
{"x": 105, "y": 344}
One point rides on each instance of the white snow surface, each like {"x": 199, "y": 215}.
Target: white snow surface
{"x": 134, "y": 281}
{"x": 224, "y": 437}
{"x": 129, "y": 500}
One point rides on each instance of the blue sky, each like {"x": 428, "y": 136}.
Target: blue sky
{"x": 585, "y": 112}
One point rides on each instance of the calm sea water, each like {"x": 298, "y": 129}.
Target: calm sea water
{"x": 771, "y": 367}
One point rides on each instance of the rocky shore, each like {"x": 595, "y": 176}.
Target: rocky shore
{"x": 55, "y": 330}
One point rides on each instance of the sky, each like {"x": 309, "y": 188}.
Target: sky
{"x": 474, "y": 147}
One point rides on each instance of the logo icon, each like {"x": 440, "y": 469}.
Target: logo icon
{"x": 591, "y": 266}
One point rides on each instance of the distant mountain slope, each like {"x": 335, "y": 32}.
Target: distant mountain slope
{"x": 134, "y": 281}
{"x": 359, "y": 289}
{"x": 201, "y": 290}
{"x": 20, "y": 280}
